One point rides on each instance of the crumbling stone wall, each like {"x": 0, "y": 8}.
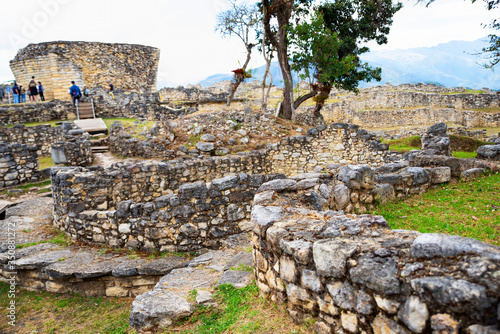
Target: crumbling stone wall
{"x": 199, "y": 216}
{"x": 152, "y": 206}
{"x": 404, "y": 117}
{"x": 74, "y": 149}
{"x": 336, "y": 143}
{"x": 41, "y": 136}
{"x": 91, "y": 64}
{"x": 35, "y": 112}
{"x": 18, "y": 164}
{"x": 353, "y": 274}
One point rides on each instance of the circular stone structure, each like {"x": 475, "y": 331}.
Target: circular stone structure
{"x": 91, "y": 64}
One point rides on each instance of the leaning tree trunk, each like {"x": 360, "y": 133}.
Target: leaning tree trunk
{"x": 280, "y": 42}
{"x": 321, "y": 98}
{"x": 238, "y": 77}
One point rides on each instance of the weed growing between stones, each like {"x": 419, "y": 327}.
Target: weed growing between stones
{"x": 239, "y": 311}
{"x": 43, "y": 312}
{"x": 466, "y": 209}
{"x": 60, "y": 239}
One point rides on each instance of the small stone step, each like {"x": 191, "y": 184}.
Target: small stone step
{"x": 100, "y": 149}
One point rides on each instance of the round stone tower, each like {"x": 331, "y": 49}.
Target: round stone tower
{"x": 56, "y": 64}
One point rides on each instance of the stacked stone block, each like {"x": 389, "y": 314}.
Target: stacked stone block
{"x": 199, "y": 216}
{"x": 91, "y": 64}
{"x": 34, "y": 112}
{"x": 354, "y": 275}
{"x": 18, "y": 164}
{"x": 75, "y": 148}
{"x": 41, "y": 136}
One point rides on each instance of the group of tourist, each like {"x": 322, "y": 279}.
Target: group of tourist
{"x": 34, "y": 90}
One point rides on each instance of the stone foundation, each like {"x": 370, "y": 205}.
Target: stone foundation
{"x": 18, "y": 164}
{"x": 355, "y": 275}
{"x": 41, "y": 136}
{"x": 35, "y": 112}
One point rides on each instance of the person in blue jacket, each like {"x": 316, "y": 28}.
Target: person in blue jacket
{"x": 75, "y": 93}
{"x": 15, "y": 92}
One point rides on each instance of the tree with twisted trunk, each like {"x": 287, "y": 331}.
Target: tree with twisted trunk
{"x": 327, "y": 46}
{"x": 240, "y": 21}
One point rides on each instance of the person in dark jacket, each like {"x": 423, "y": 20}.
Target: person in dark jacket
{"x": 40, "y": 91}
{"x": 15, "y": 92}
{"x": 32, "y": 89}
{"x": 75, "y": 93}
{"x": 2, "y": 94}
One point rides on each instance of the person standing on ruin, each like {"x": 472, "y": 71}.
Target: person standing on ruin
{"x": 22, "y": 92}
{"x": 2, "y": 94}
{"x": 40, "y": 91}
{"x": 15, "y": 92}
{"x": 75, "y": 93}
{"x": 111, "y": 88}
{"x": 33, "y": 90}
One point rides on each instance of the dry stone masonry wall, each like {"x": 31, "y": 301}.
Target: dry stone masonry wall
{"x": 74, "y": 149}
{"x": 198, "y": 217}
{"x": 41, "y": 136}
{"x": 18, "y": 164}
{"x": 388, "y": 106}
{"x": 355, "y": 275}
{"x": 91, "y": 64}
{"x": 35, "y": 112}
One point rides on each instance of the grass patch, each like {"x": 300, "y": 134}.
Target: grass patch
{"x": 461, "y": 146}
{"x": 467, "y": 209}
{"x": 488, "y": 110}
{"x": 43, "y": 312}
{"x": 51, "y": 123}
{"x": 467, "y": 91}
{"x": 240, "y": 311}
{"x": 60, "y": 239}
{"x": 464, "y": 155}
{"x": 126, "y": 121}
{"x": 26, "y": 187}
{"x": 46, "y": 162}
{"x": 489, "y": 130}
{"x": 465, "y": 144}
{"x": 404, "y": 144}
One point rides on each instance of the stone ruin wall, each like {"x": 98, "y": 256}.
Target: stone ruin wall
{"x": 353, "y": 274}
{"x": 91, "y": 64}
{"x": 90, "y": 202}
{"x": 79, "y": 190}
{"x": 410, "y": 105}
{"x": 41, "y": 136}
{"x": 37, "y": 112}
{"x": 18, "y": 164}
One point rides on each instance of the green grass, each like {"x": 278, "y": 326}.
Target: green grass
{"x": 462, "y": 147}
{"x": 463, "y": 155}
{"x": 466, "y": 209}
{"x": 51, "y": 123}
{"x": 42, "y": 312}
{"x": 45, "y": 162}
{"x": 467, "y": 91}
{"x": 26, "y": 187}
{"x": 404, "y": 144}
{"x": 126, "y": 121}
{"x": 60, "y": 239}
{"x": 488, "y": 110}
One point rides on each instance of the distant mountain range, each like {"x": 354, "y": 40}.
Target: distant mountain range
{"x": 452, "y": 64}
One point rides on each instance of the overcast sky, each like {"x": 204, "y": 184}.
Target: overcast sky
{"x": 184, "y": 30}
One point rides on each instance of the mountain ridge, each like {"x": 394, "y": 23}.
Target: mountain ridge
{"x": 451, "y": 64}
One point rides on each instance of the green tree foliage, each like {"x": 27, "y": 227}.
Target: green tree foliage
{"x": 327, "y": 46}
